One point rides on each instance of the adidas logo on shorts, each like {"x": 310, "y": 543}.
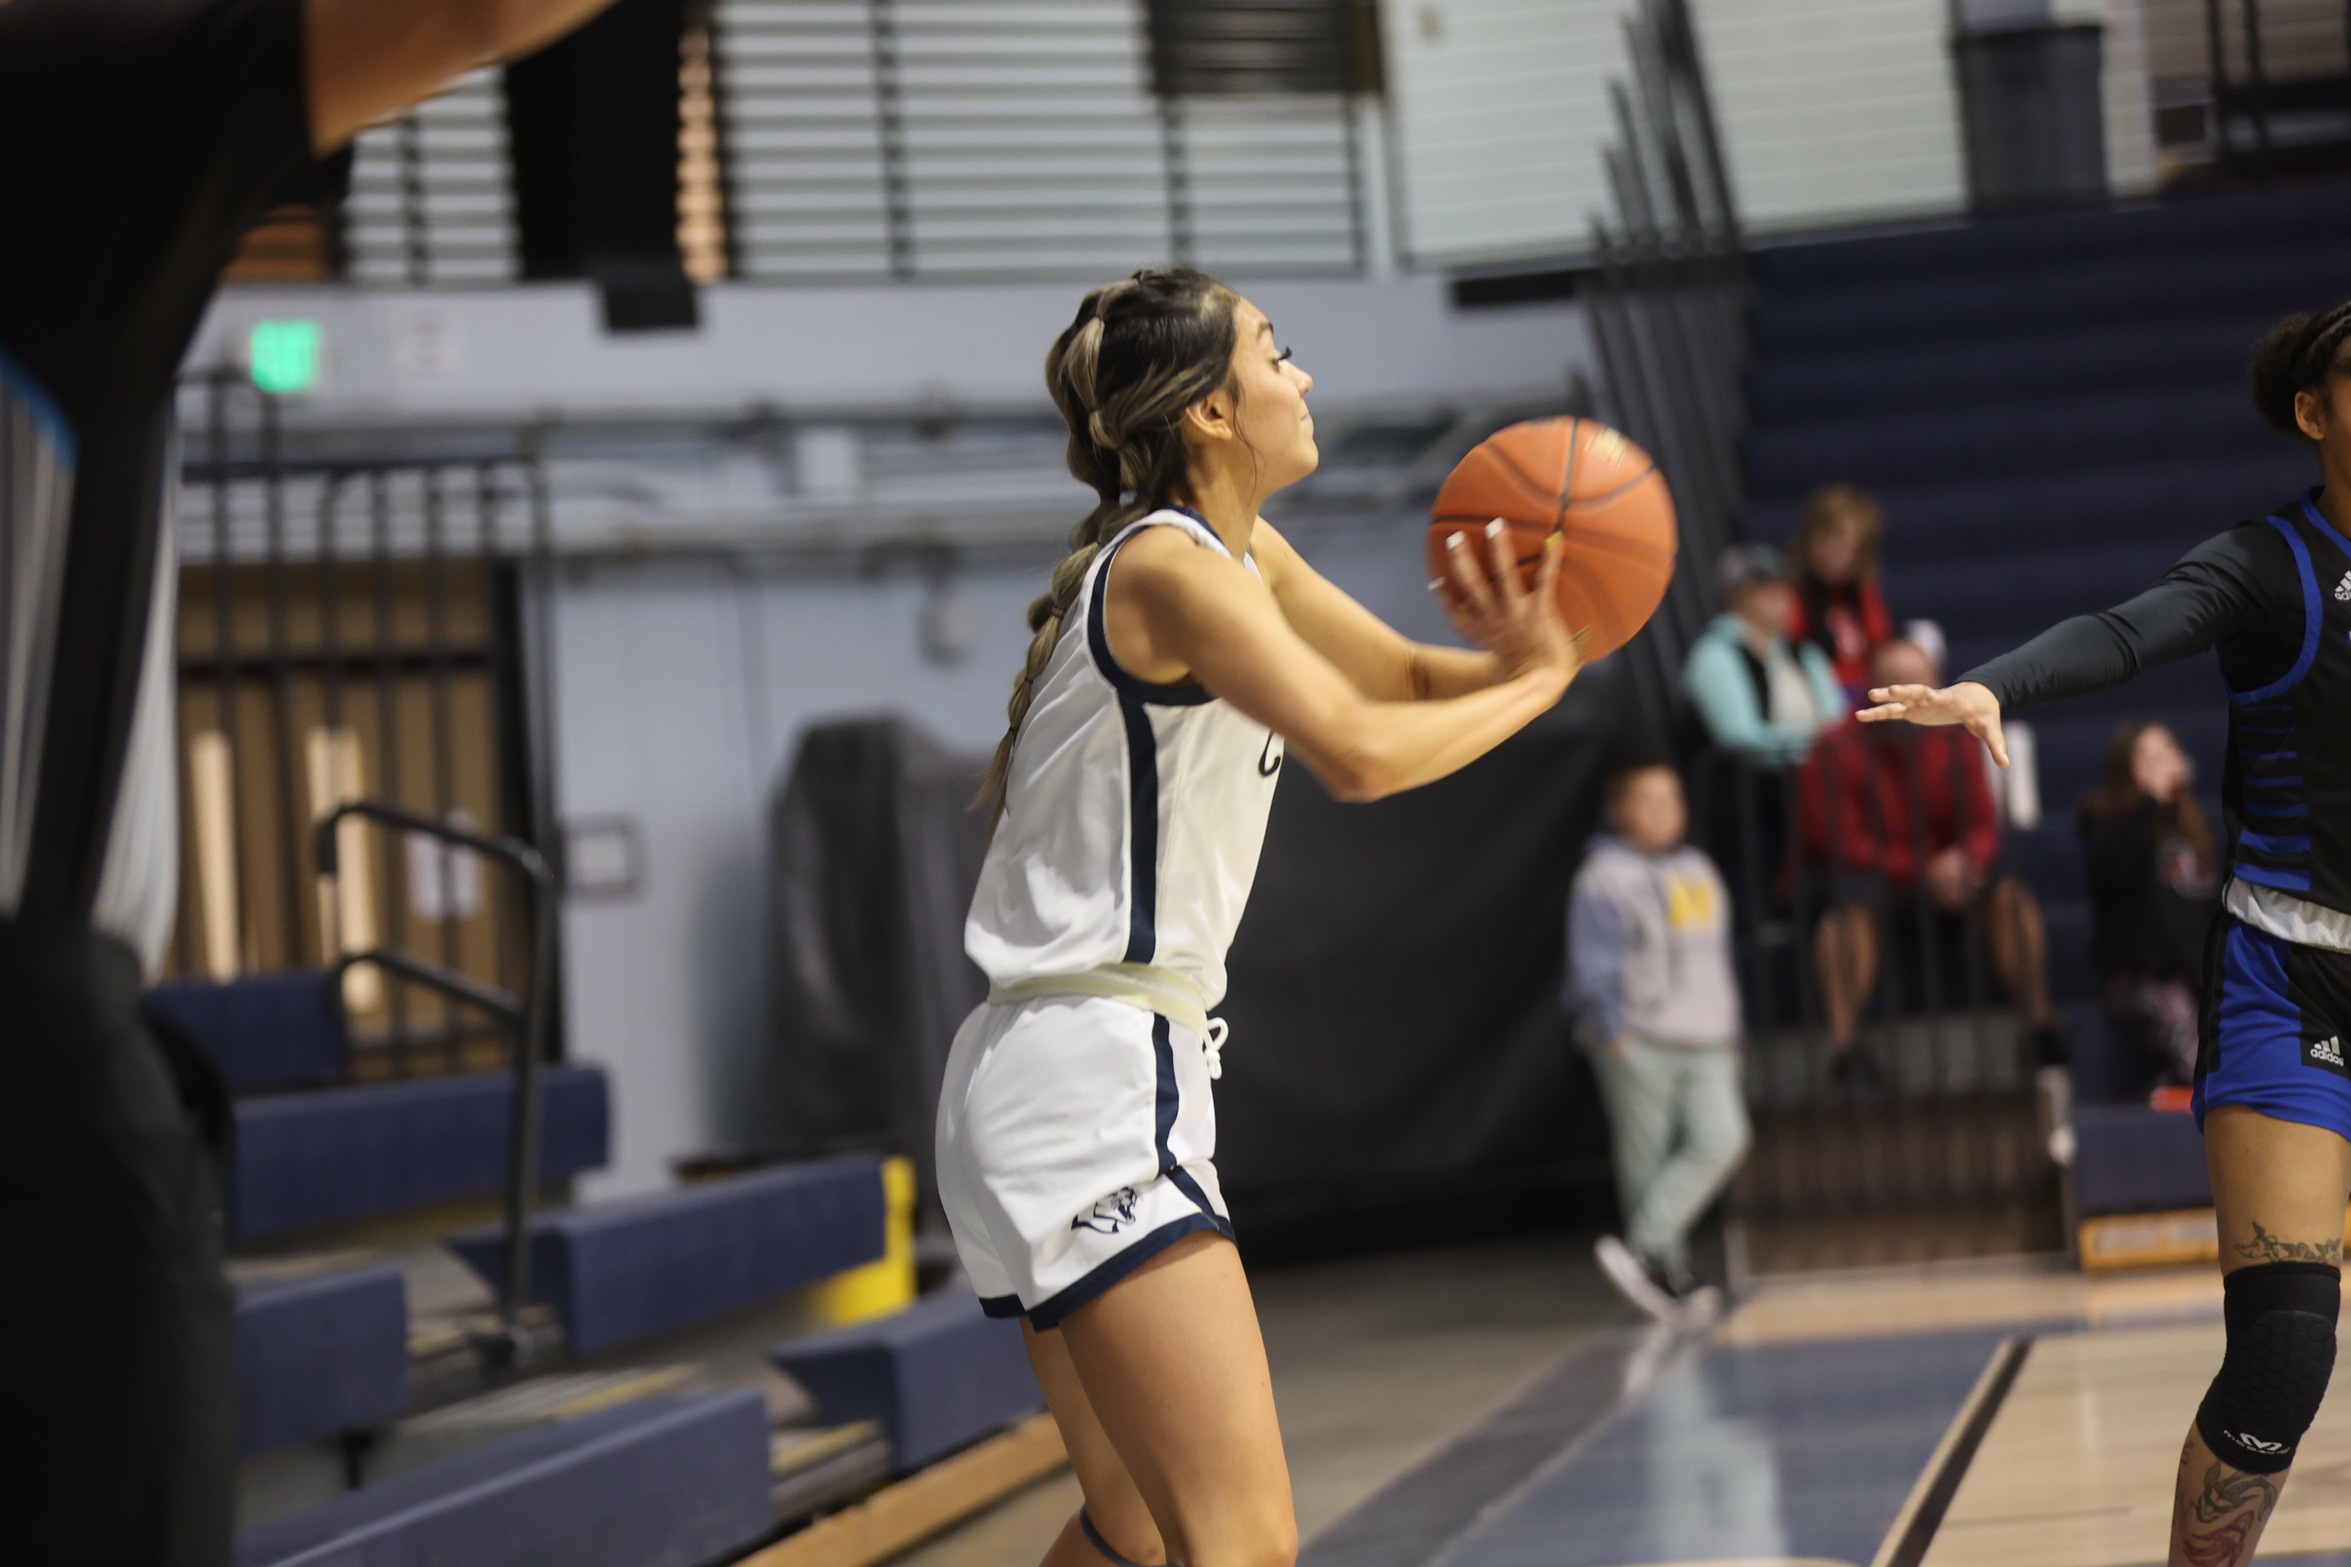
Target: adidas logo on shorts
{"x": 2326, "y": 1052}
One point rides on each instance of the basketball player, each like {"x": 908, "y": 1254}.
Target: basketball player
{"x": 2273, "y": 1087}
{"x": 139, "y": 139}
{"x": 1183, "y": 651}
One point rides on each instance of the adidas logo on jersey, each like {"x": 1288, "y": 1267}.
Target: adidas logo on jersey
{"x": 2343, "y": 589}
{"x": 2328, "y": 1053}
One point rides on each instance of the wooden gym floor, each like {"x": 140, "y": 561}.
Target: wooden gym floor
{"x": 1491, "y": 1408}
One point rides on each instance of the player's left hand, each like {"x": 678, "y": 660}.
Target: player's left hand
{"x": 1966, "y": 703}
{"x": 1519, "y": 624}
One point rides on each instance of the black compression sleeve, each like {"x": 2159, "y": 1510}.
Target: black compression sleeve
{"x": 2239, "y": 591}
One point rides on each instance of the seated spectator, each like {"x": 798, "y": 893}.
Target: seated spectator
{"x": 1838, "y": 606}
{"x": 1657, "y": 1005}
{"x": 1762, "y": 698}
{"x": 1899, "y": 812}
{"x": 2153, "y": 892}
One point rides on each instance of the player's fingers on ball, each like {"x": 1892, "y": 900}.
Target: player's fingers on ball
{"x": 1547, "y": 574}
{"x": 1506, "y": 583}
{"x": 1468, "y": 576}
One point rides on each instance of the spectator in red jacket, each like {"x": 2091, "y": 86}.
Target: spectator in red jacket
{"x": 1838, "y": 606}
{"x": 1899, "y": 812}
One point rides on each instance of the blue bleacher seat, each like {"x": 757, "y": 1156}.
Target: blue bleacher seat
{"x": 1897, "y": 311}
{"x": 938, "y": 1376}
{"x": 661, "y": 1482}
{"x": 2172, "y": 501}
{"x": 2072, "y": 978}
{"x": 1960, "y": 442}
{"x": 2107, "y": 1068}
{"x": 319, "y": 1355}
{"x": 332, "y": 1155}
{"x": 267, "y": 1031}
{"x": 2186, "y": 229}
{"x": 618, "y": 1271}
{"x": 2131, "y": 1159}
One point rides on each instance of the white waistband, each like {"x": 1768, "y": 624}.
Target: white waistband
{"x": 2283, "y": 915}
{"x": 1158, "y": 990}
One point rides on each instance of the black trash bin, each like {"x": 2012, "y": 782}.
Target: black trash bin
{"x": 2035, "y": 117}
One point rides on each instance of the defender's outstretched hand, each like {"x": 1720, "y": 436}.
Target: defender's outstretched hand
{"x": 1966, "y": 703}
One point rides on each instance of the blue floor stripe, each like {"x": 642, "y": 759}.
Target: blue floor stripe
{"x": 1771, "y": 1450}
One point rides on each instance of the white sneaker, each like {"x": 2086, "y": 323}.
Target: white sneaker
{"x": 1631, "y": 1278}
{"x": 1702, "y": 1307}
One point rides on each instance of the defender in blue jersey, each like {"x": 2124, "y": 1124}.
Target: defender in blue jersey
{"x": 2273, "y": 1086}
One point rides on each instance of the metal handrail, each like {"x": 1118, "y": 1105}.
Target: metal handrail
{"x": 526, "y": 1016}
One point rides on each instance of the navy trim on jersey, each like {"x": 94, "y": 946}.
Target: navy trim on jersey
{"x": 1188, "y": 694}
{"x": 34, "y": 399}
{"x": 2313, "y": 618}
{"x": 1169, "y": 1105}
{"x": 1142, "y": 831}
{"x": 1048, "y": 1314}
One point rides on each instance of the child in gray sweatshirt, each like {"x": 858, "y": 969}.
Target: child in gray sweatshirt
{"x": 1656, "y": 1002}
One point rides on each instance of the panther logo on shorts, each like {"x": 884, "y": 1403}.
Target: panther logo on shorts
{"x": 1109, "y": 1216}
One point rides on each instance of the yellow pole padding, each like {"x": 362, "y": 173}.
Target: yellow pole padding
{"x": 878, "y": 1288}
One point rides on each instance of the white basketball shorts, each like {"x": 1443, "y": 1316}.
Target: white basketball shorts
{"x": 1076, "y": 1142}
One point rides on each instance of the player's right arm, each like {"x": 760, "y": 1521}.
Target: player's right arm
{"x": 1202, "y": 616}
{"x": 2239, "y": 590}
{"x": 368, "y": 59}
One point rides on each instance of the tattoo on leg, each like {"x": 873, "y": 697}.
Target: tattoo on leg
{"x": 2266, "y": 1247}
{"x": 2221, "y": 1520}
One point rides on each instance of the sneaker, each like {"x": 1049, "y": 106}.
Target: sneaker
{"x": 1701, "y": 1307}
{"x": 1695, "y": 1304}
{"x": 1633, "y": 1280}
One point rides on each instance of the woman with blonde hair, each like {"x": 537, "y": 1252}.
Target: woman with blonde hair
{"x": 1839, "y": 607}
{"x": 1182, "y": 652}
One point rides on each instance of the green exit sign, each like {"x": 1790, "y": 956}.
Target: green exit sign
{"x": 283, "y": 355}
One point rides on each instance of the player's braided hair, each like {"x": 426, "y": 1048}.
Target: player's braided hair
{"x": 2295, "y": 356}
{"x": 1122, "y": 373}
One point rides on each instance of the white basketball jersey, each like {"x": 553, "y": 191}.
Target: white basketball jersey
{"x": 1134, "y": 813}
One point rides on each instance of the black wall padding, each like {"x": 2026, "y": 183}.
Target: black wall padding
{"x": 592, "y": 121}
{"x": 1395, "y": 987}
{"x": 872, "y": 861}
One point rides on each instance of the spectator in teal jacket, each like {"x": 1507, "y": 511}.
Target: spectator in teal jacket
{"x": 1762, "y": 700}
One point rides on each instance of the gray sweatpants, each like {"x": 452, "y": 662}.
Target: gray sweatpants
{"x": 1679, "y": 1122}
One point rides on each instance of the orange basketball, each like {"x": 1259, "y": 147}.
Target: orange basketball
{"x": 1599, "y": 492}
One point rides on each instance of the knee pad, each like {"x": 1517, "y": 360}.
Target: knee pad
{"x": 2281, "y": 1351}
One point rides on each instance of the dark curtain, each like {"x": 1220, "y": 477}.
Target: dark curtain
{"x": 872, "y": 861}
{"x": 1395, "y": 986}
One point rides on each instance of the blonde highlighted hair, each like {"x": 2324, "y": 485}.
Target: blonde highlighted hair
{"x": 1122, "y": 373}
{"x": 1831, "y": 505}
